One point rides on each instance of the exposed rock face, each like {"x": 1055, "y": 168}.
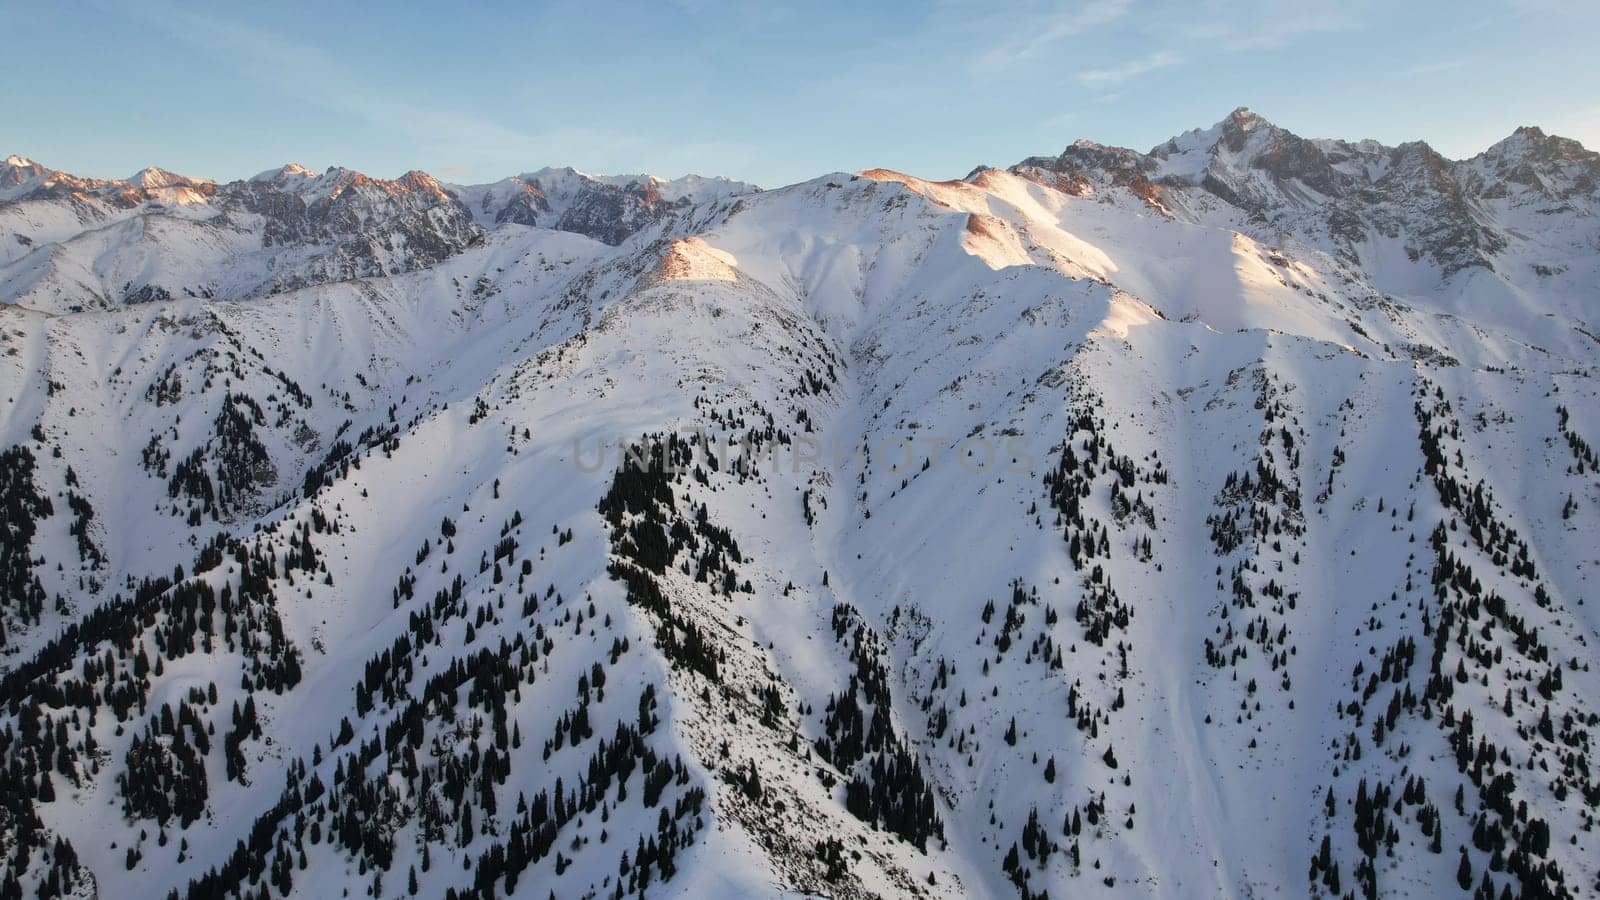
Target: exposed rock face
{"x": 293, "y": 227}
{"x": 18, "y": 171}
{"x": 1544, "y": 166}
{"x": 1085, "y": 163}
{"x": 608, "y": 209}
{"x": 1352, "y": 192}
{"x": 610, "y": 214}
{"x": 286, "y": 228}
{"x": 359, "y": 226}
{"x": 527, "y": 206}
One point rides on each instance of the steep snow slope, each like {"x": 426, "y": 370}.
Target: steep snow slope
{"x": 1112, "y": 524}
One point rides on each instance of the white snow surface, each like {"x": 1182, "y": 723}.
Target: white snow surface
{"x": 970, "y": 333}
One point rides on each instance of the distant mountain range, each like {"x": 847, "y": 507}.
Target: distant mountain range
{"x": 1210, "y": 521}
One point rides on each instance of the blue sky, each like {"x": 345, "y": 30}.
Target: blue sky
{"x": 772, "y": 92}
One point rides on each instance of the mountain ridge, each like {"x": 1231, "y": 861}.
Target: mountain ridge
{"x": 1113, "y": 523}
{"x": 1239, "y": 116}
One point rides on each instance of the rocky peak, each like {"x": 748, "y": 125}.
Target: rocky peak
{"x": 152, "y": 178}
{"x": 418, "y": 180}
{"x": 1542, "y": 165}
{"x": 286, "y": 174}
{"x": 1417, "y": 162}
{"x": 338, "y": 180}
{"x": 1245, "y": 118}
{"x": 345, "y": 187}
{"x": 18, "y": 170}
{"x": 513, "y": 199}
{"x": 607, "y": 208}
{"x": 1347, "y": 193}
{"x": 24, "y": 179}
{"x": 22, "y": 163}
{"x": 1232, "y": 134}
{"x": 1240, "y": 124}
{"x": 1248, "y": 160}
{"x": 1085, "y": 165}
{"x": 1531, "y": 141}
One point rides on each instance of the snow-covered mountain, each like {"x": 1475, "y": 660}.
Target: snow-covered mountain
{"x": 76, "y": 243}
{"x": 1216, "y": 520}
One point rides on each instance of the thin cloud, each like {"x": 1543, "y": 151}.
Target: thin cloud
{"x": 1435, "y": 67}
{"x": 1552, "y": 7}
{"x": 315, "y": 77}
{"x": 1236, "y": 25}
{"x": 1034, "y": 32}
{"x": 1059, "y": 120}
{"x": 1115, "y": 75}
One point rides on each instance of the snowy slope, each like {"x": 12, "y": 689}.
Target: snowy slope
{"x": 1170, "y": 524}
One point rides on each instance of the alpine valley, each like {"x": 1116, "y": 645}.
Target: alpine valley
{"x": 1226, "y": 527}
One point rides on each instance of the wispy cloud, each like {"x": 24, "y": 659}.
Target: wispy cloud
{"x": 1236, "y": 25}
{"x": 1114, "y": 75}
{"x": 1434, "y": 67}
{"x": 304, "y": 73}
{"x": 1191, "y": 31}
{"x": 1552, "y": 7}
{"x": 1035, "y": 31}
{"x": 1058, "y": 121}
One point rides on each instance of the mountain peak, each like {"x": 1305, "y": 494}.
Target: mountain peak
{"x": 288, "y": 170}
{"x": 19, "y": 170}
{"x": 1528, "y": 137}
{"x": 153, "y": 177}
{"x": 1550, "y": 165}
{"x": 1233, "y": 132}
{"x": 418, "y": 180}
{"x": 1245, "y": 119}
{"x": 1244, "y": 124}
